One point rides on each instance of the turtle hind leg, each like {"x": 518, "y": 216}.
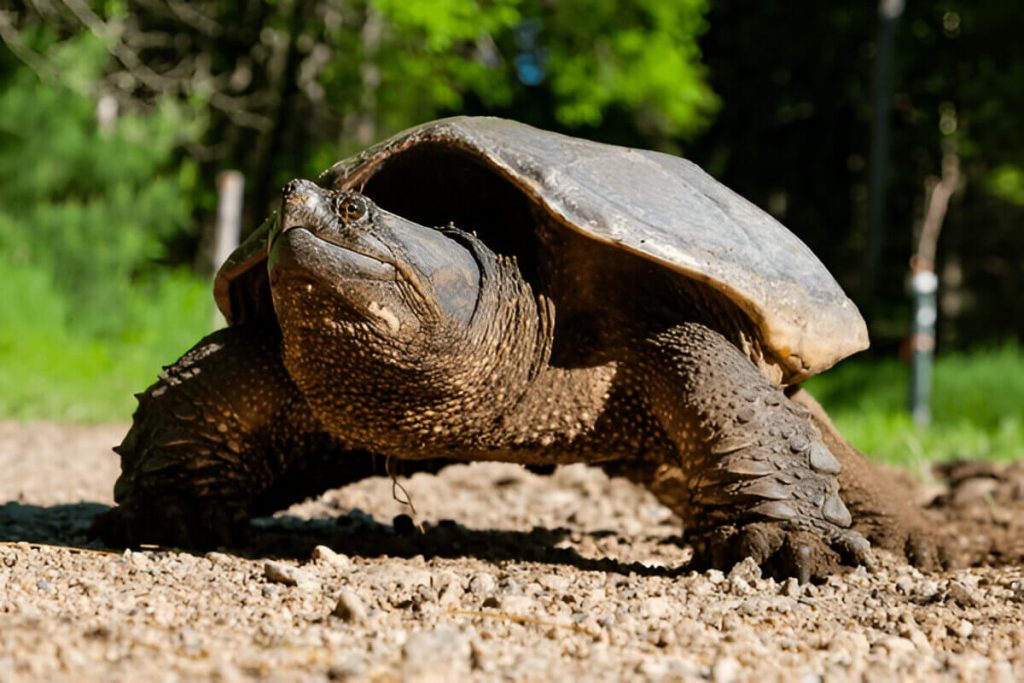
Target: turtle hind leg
{"x": 753, "y": 477}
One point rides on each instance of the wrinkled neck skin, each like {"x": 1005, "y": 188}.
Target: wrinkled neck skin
{"x": 434, "y": 386}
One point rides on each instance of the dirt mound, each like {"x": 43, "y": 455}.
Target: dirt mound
{"x": 980, "y": 506}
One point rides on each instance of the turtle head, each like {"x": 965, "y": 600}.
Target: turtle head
{"x": 384, "y": 321}
{"x": 339, "y": 262}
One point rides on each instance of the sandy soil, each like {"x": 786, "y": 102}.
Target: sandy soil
{"x": 511, "y": 577}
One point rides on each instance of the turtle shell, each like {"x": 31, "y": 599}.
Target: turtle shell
{"x": 660, "y": 207}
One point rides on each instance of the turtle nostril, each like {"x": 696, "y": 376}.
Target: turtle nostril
{"x": 300, "y": 190}
{"x": 304, "y": 204}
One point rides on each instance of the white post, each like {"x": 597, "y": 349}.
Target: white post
{"x": 228, "y": 229}
{"x": 230, "y": 185}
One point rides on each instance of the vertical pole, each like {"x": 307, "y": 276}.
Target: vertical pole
{"x": 889, "y": 12}
{"x": 228, "y": 229}
{"x": 230, "y": 186}
{"x": 923, "y": 285}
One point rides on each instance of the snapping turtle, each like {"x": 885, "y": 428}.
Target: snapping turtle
{"x": 478, "y": 289}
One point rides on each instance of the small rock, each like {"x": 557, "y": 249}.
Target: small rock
{"x": 517, "y": 604}
{"x": 739, "y": 586}
{"x": 725, "y": 670}
{"x": 962, "y": 595}
{"x": 926, "y": 591}
{"x": 964, "y": 629}
{"x": 791, "y": 587}
{"x": 482, "y": 583}
{"x": 748, "y": 570}
{"x": 137, "y": 559}
{"x": 974, "y": 489}
{"x": 897, "y": 645}
{"x": 279, "y": 572}
{"x": 450, "y": 594}
{"x": 715, "y": 576}
{"x": 919, "y": 640}
{"x": 442, "y": 579}
{"x": 217, "y": 558}
{"x": 658, "y": 607}
{"x": 349, "y": 607}
{"x": 905, "y": 584}
{"x": 554, "y": 582}
{"x": 325, "y": 555}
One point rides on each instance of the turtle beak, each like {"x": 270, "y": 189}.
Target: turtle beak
{"x": 304, "y": 204}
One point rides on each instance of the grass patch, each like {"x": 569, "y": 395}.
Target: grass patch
{"x": 977, "y": 406}
{"x": 49, "y": 369}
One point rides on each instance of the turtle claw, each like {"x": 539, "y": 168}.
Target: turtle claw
{"x": 780, "y": 550}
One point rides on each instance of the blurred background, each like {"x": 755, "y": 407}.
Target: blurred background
{"x": 882, "y": 134}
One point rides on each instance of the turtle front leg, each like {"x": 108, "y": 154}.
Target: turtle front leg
{"x": 223, "y": 434}
{"x": 753, "y": 476}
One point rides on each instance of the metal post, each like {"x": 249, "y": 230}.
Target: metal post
{"x": 923, "y": 285}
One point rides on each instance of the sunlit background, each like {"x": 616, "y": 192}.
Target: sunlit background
{"x": 875, "y": 132}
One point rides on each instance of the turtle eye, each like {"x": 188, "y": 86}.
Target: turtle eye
{"x": 350, "y": 208}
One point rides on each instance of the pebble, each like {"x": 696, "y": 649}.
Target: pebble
{"x": 919, "y": 640}
{"x": 747, "y": 570}
{"x": 325, "y": 555}
{"x": 791, "y": 587}
{"x": 905, "y": 584}
{"x": 962, "y": 595}
{"x": 658, "y": 607}
{"x": 482, "y": 583}
{"x": 218, "y": 558}
{"x": 725, "y": 670}
{"x": 286, "y": 574}
{"x": 349, "y": 607}
{"x": 554, "y": 582}
{"x": 927, "y": 590}
{"x": 964, "y": 628}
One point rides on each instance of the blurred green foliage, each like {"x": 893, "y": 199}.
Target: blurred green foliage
{"x": 88, "y": 210}
{"x": 978, "y": 406}
{"x": 639, "y": 56}
{"x": 84, "y": 213}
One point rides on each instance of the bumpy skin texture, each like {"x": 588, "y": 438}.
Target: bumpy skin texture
{"x": 374, "y": 354}
{"x": 224, "y": 435}
{"x": 882, "y": 502}
{"x": 757, "y": 480}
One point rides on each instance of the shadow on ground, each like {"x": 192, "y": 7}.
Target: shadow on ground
{"x": 355, "y": 533}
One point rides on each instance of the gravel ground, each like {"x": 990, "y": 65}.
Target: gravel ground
{"x": 501, "y": 575}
